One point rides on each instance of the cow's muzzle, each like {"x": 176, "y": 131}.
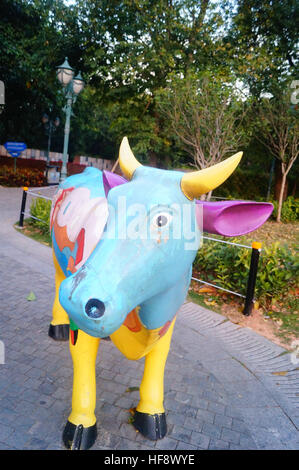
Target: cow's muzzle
{"x": 95, "y": 308}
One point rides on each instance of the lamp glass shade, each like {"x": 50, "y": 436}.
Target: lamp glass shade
{"x": 78, "y": 84}
{"x": 65, "y": 76}
{"x": 65, "y": 73}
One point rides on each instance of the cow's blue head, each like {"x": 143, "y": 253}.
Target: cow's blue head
{"x": 145, "y": 255}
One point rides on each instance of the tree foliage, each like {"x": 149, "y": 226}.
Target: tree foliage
{"x": 280, "y": 134}
{"x": 35, "y": 36}
{"x": 206, "y": 116}
{"x": 133, "y": 47}
{"x": 264, "y": 40}
{"x": 130, "y": 51}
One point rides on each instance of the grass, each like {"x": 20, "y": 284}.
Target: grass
{"x": 285, "y": 314}
{"x": 208, "y": 301}
{"x": 31, "y": 231}
{"x": 270, "y": 232}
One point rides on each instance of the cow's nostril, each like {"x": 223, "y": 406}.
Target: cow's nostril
{"x": 95, "y": 308}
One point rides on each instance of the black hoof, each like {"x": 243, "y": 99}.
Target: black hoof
{"x": 153, "y": 427}
{"x": 59, "y": 332}
{"x": 79, "y": 438}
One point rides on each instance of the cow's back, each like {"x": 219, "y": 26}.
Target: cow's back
{"x": 78, "y": 217}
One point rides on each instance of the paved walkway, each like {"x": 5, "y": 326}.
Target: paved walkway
{"x": 226, "y": 387}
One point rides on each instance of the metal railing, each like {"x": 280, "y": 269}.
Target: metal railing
{"x": 32, "y": 192}
{"x": 255, "y": 248}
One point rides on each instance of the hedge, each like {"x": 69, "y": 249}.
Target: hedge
{"x": 21, "y": 177}
{"x": 228, "y": 266}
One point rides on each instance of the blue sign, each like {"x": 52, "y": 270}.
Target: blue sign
{"x": 15, "y": 148}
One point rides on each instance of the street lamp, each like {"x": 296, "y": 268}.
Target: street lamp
{"x": 72, "y": 87}
{"x": 2, "y": 96}
{"x": 50, "y": 126}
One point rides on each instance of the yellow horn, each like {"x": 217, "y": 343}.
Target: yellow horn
{"x": 127, "y": 161}
{"x": 200, "y": 182}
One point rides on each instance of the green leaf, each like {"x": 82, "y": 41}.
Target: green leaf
{"x": 31, "y": 296}
{"x": 132, "y": 389}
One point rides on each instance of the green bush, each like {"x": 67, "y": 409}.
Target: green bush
{"x": 41, "y": 208}
{"x": 289, "y": 210}
{"x": 228, "y": 266}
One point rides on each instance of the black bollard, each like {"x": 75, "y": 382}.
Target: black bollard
{"x": 255, "y": 255}
{"x": 23, "y": 205}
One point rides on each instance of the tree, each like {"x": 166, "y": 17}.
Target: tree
{"x": 264, "y": 43}
{"x": 206, "y": 117}
{"x": 35, "y": 37}
{"x": 280, "y": 134}
{"x": 131, "y": 49}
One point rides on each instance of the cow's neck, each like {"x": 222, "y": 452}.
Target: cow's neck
{"x": 160, "y": 309}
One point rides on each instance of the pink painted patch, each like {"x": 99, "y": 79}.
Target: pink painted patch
{"x": 164, "y": 329}
{"x": 58, "y": 203}
{"x": 80, "y": 241}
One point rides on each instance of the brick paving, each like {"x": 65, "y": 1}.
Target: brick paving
{"x": 222, "y": 390}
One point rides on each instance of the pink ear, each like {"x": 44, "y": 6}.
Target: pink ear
{"x": 111, "y": 180}
{"x": 233, "y": 218}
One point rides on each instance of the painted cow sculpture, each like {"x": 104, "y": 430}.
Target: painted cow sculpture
{"x": 123, "y": 253}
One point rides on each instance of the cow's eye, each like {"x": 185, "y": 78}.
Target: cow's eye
{"x": 161, "y": 220}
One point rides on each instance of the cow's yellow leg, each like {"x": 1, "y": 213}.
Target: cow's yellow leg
{"x": 149, "y": 417}
{"x": 84, "y": 354}
{"x": 152, "y": 385}
{"x": 59, "y": 326}
{"x": 81, "y": 425}
{"x": 60, "y": 317}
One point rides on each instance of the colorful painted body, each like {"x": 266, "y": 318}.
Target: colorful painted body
{"x": 128, "y": 287}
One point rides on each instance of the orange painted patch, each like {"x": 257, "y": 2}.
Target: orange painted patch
{"x": 71, "y": 265}
{"x": 132, "y": 321}
{"x": 62, "y": 238}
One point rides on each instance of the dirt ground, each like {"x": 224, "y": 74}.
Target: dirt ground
{"x": 257, "y": 322}
{"x": 231, "y": 308}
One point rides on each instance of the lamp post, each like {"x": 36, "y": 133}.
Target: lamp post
{"x": 2, "y": 96}
{"x": 50, "y": 126}
{"x": 72, "y": 87}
